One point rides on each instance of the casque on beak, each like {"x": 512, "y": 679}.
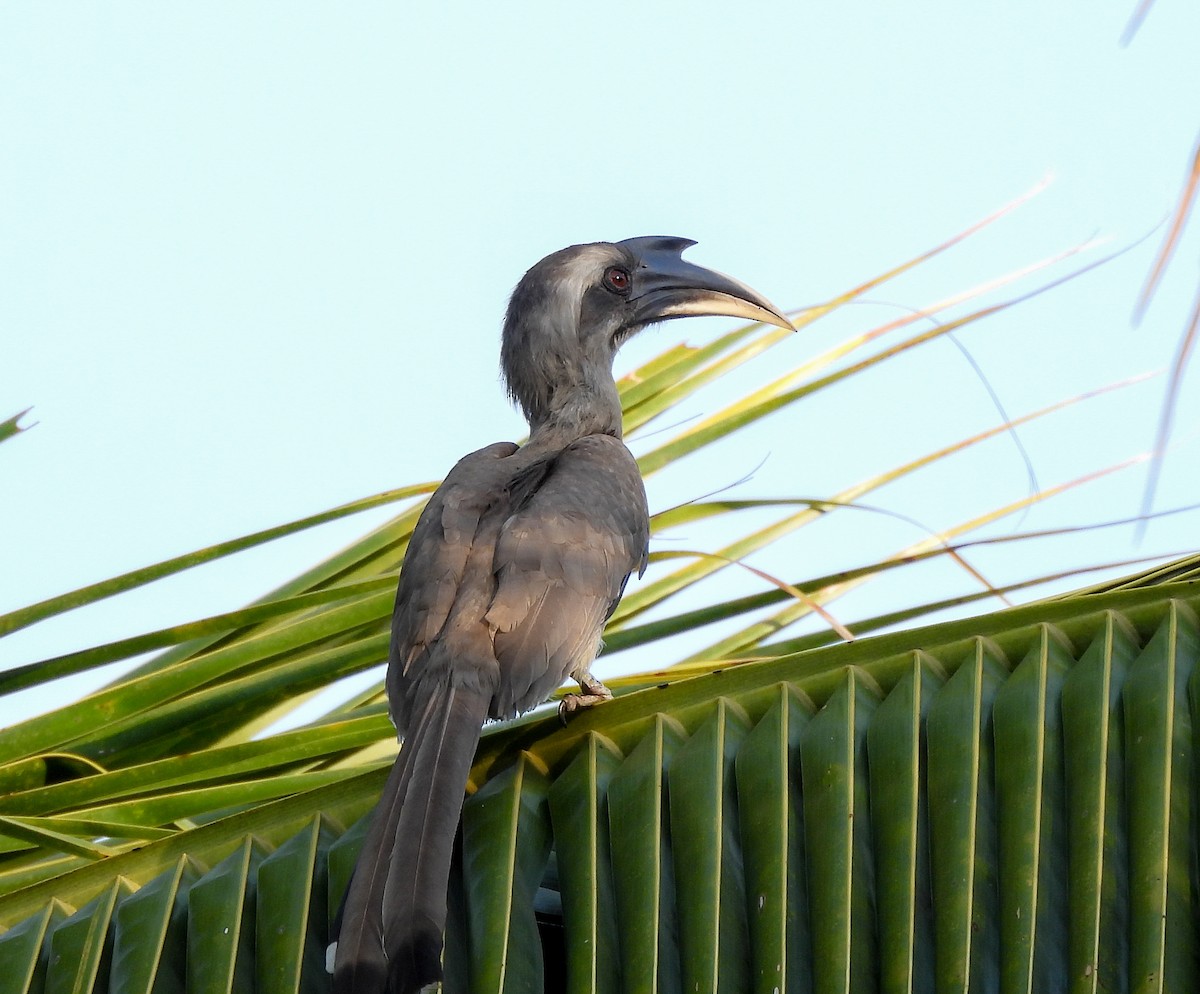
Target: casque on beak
{"x": 665, "y": 286}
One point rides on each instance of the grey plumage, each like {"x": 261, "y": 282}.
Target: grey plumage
{"x": 516, "y": 563}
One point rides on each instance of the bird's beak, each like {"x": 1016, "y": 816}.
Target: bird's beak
{"x": 665, "y": 287}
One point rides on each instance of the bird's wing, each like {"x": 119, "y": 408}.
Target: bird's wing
{"x": 561, "y": 563}
{"x": 441, "y": 543}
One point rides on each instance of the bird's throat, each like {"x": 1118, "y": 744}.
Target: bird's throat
{"x": 577, "y": 410}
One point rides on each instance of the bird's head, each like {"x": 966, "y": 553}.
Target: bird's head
{"x": 573, "y": 310}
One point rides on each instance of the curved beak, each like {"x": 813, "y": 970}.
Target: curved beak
{"x": 665, "y": 287}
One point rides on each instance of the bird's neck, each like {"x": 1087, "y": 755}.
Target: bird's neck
{"x": 576, "y": 409}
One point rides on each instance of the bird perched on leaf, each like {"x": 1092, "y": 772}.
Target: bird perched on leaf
{"x": 516, "y": 563}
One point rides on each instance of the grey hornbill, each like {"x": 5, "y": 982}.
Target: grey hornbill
{"x": 513, "y": 568}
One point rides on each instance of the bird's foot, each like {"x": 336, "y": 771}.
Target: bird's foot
{"x": 594, "y": 692}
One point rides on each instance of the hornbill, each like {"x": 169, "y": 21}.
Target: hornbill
{"x": 516, "y": 563}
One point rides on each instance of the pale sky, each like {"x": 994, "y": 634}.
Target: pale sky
{"x": 255, "y": 261}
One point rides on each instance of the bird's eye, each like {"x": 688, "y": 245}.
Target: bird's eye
{"x": 616, "y": 279}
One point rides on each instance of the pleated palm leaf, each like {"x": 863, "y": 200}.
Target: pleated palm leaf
{"x": 998, "y": 801}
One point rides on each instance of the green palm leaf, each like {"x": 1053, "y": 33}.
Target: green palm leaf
{"x": 887, "y": 805}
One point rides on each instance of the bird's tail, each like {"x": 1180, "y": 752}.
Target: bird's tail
{"x": 394, "y": 912}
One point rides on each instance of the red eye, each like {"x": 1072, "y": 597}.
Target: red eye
{"x": 617, "y": 279}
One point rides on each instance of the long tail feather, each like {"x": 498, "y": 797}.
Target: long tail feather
{"x": 394, "y": 913}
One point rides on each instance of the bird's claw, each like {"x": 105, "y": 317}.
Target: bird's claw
{"x": 594, "y": 692}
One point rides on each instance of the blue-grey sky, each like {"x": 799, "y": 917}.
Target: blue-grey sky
{"x": 255, "y": 259}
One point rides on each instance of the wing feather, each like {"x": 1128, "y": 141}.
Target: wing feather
{"x": 436, "y": 559}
